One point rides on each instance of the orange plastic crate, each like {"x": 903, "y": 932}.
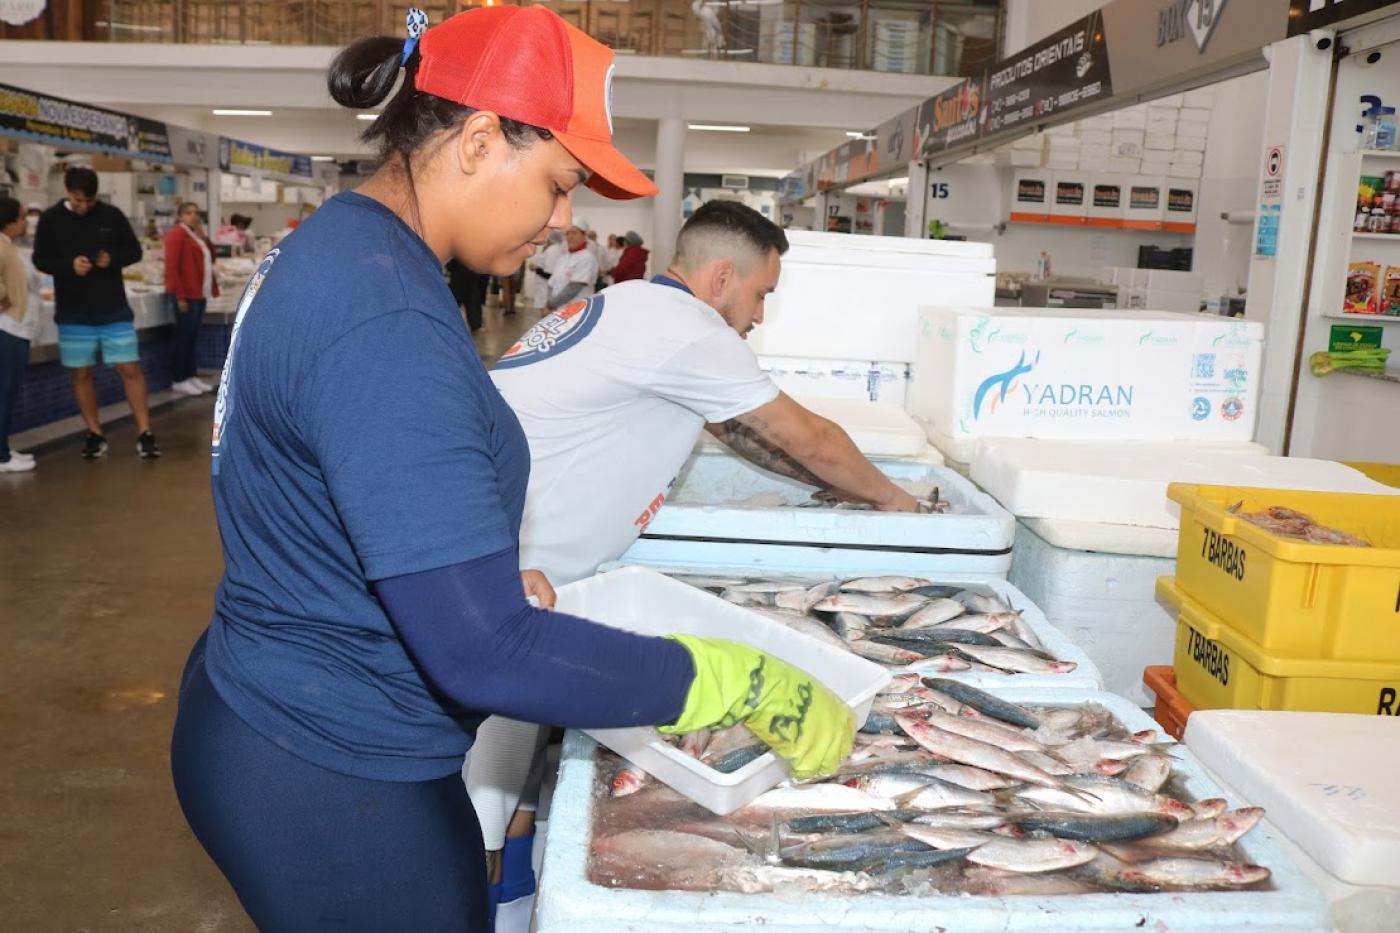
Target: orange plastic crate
{"x": 1171, "y": 709}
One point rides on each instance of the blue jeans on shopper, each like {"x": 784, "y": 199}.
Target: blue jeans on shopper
{"x": 184, "y": 350}
{"x": 14, "y": 357}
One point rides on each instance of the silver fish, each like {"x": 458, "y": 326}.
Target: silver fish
{"x": 1085, "y": 794}
{"x": 960, "y": 819}
{"x": 882, "y": 654}
{"x": 981, "y": 602}
{"x": 935, "y": 612}
{"x": 819, "y": 797}
{"x": 982, "y": 622}
{"x": 1086, "y": 827}
{"x": 1193, "y": 835}
{"x": 986, "y": 703}
{"x": 807, "y": 626}
{"x": 883, "y": 585}
{"x": 628, "y": 780}
{"x": 1084, "y": 753}
{"x": 848, "y": 625}
{"x": 942, "y": 795}
{"x": 1046, "y": 763}
{"x": 946, "y": 838}
{"x": 1209, "y": 808}
{"x": 1019, "y": 662}
{"x": 850, "y": 851}
{"x": 971, "y": 752}
{"x": 891, "y": 607}
{"x": 1149, "y": 772}
{"x": 1032, "y": 855}
{"x": 941, "y": 664}
{"x": 985, "y": 731}
{"x": 902, "y": 683}
{"x": 1179, "y": 873}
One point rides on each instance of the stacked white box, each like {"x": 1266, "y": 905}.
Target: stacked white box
{"x": 1120, "y": 165}
{"x": 1190, "y": 144}
{"x": 1026, "y": 158}
{"x": 1034, "y": 142}
{"x": 1134, "y": 118}
{"x": 1095, "y": 137}
{"x": 856, "y": 380}
{"x": 848, "y": 297}
{"x": 1083, "y": 375}
{"x": 1193, "y": 115}
{"x": 1129, "y": 143}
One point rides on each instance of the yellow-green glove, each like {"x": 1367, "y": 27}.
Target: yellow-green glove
{"x": 790, "y": 710}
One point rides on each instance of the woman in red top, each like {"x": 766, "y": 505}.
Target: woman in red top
{"x": 633, "y": 264}
{"x": 190, "y": 281}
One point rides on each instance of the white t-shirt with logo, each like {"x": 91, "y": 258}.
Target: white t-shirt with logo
{"x": 612, "y": 392}
{"x": 580, "y": 266}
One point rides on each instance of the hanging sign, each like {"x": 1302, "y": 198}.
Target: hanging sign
{"x": 70, "y": 125}
{"x": 251, "y": 159}
{"x": 19, "y": 12}
{"x": 1305, "y": 15}
{"x": 1063, "y": 72}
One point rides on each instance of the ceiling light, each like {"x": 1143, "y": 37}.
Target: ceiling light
{"x": 366, "y": 116}
{"x": 222, "y": 112}
{"x": 323, "y": 158}
{"x": 717, "y": 128}
{"x": 854, "y": 135}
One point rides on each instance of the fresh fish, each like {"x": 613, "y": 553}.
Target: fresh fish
{"x": 943, "y": 795}
{"x": 946, "y": 838}
{"x": 981, "y": 602}
{"x": 941, "y": 664}
{"x": 902, "y": 683}
{"x": 733, "y": 761}
{"x": 1149, "y": 772}
{"x": 708, "y": 583}
{"x": 1011, "y": 640}
{"x": 850, "y": 851}
{"x": 1209, "y": 808}
{"x": 819, "y": 592}
{"x": 883, "y": 585}
{"x": 935, "y": 591}
{"x": 993, "y": 882}
{"x": 1177, "y": 873}
{"x": 1032, "y": 855}
{"x": 1194, "y": 835}
{"x": 1025, "y": 632}
{"x": 879, "y": 723}
{"x": 937, "y": 635}
{"x": 1019, "y": 662}
{"x": 1086, "y": 752}
{"x": 892, "y": 784}
{"x": 1085, "y": 827}
{"x": 971, "y": 752}
{"x": 1047, "y": 764}
{"x": 1108, "y": 767}
{"x": 960, "y": 819}
{"x": 761, "y": 593}
{"x": 882, "y": 654}
{"x": 695, "y": 743}
{"x": 806, "y": 625}
{"x": 628, "y": 780}
{"x": 984, "y": 730}
{"x": 1082, "y": 793}
{"x": 848, "y": 625}
{"x": 891, "y": 607}
{"x": 749, "y": 600}
{"x": 985, "y": 623}
{"x": 914, "y": 860}
{"x": 854, "y": 822}
{"x": 663, "y": 858}
{"x": 969, "y": 777}
{"x": 725, "y": 741}
{"x": 936, "y": 612}
{"x": 984, "y": 702}
{"x": 819, "y": 798}
{"x": 939, "y": 699}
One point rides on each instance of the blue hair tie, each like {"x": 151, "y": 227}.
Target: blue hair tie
{"x": 417, "y": 23}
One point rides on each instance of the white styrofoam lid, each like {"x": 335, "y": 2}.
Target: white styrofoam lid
{"x": 1327, "y": 780}
{"x": 1103, "y": 538}
{"x": 1125, "y": 483}
{"x": 879, "y": 429}
{"x": 801, "y": 240}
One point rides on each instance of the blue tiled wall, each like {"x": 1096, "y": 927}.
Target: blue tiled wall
{"x": 46, "y": 395}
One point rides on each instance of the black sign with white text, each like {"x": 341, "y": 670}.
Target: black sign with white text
{"x": 1063, "y": 72}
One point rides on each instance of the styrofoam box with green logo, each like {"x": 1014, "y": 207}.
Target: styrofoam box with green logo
{"x": 1083, "y": 375}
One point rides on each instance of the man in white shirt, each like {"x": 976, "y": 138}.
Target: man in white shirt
{"x": 542, "y": 268}
{"x": 612, "y": 392}
{"x": 575, "y": 272}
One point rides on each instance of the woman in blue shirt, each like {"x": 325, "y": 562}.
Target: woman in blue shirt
{"x": 368, "y": 485}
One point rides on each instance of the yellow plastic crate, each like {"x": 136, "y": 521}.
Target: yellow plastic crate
{"x": 1219, "y": 668}
{"x": 1388, "y": 473}
{"x": 1295, "y": 599}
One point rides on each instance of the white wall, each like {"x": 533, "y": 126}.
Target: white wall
{"x": 1230, "y": 182}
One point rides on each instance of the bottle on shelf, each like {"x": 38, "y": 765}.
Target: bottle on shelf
{"x": 1385, "y": 137}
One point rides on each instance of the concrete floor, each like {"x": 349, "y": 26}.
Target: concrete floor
{"x": 107, "y": 576}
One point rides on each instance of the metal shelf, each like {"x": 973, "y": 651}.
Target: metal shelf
{"x": 1376, "y": 236}
{"x": 1380, "y": 153}
{"x": 1368, "y": 318}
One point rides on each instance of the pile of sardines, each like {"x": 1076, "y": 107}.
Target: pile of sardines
{"x": 929, "y": 504}
{"x": 900, "y": 622}
{"x": 949, "y": 790}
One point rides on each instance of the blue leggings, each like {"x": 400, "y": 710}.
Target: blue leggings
{"x": 310, "y": 849}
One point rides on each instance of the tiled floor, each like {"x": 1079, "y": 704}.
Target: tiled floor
{"x": 107, "y": 575}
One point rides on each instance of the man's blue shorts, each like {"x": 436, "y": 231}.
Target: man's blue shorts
{"x": 79, "y": 344}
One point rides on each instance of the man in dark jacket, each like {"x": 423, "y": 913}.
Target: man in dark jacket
{"x": 84, "y": 244}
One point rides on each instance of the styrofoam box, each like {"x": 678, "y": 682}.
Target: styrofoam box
{"x": 1187, "y": 157}
{"x": 1103, "y": 121}
{"x": 1095, "y": 152}
{"x": 1104, "y": 602}
{"x": 1134, "y": 118}
{"x": 1084, "y": 375}
{"x": 1125, "y": 483}
{"x": 1160, "y": 142}
{"x": 1035, "y": 142}
{"x": 1095, "y": 137}
{"x": 1123, "y": 166}
{"x": 1338, "y": 801}
{"x": 1159, "y": 126}
{"x": 1085, "y": 674}
{"x": 639, "y": 600}
{"x": 1025, "y": 159}
{"x": 1062, "y": 162}
{"x": 1160, "y": 108}
{"x": 826, "y": 275}
{"x": 568, "y": 902}
{"x": 1194, "y": 115}
{"x": 702, "y": 518}
{"x": 1154, "y": 167}
{"x": 1192, "y": 131}
{"x": 1190, "y": 144}
{"x": 1184, "y": 171}
{"x": 867, "y": 380}
{"x": 1136, "y": 136}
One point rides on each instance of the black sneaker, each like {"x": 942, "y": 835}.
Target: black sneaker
{"x": 94, "y": 446}
{"x": 147, "y": 447}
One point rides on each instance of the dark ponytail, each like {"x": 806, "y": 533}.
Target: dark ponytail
{"x": 363, "y": 75}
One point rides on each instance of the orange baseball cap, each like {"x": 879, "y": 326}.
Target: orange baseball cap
{"x": 527, "y": 64}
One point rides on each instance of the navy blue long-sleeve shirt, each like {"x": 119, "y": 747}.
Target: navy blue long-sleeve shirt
{"x": 363, "y": 460}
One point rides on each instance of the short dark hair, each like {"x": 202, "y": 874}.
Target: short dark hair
{"x": 81, "y": 179}
{"x": 10, "y": 211}
{"x": 730, "y": 220}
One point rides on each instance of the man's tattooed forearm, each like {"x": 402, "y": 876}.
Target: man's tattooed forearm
{"x": 746, "y": 441}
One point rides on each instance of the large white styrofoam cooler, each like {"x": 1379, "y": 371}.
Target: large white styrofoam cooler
{"x": 1083, "y": 375}
{"x": 1096, "y": 531}
{"x": 855, "y": 380}
{"x": 848, "y": 297}
{"x": 878, "y": 429}
{"x": 830, "y": 566}
{"x": 723, "y": 510}
{"x": 569, "y": 901}
{"x": 1327, "y": 782}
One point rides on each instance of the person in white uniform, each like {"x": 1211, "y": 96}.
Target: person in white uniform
{"x": 575, "y": 272}
{"x": 612, "y": 392}
{"x": 539, "y": 271}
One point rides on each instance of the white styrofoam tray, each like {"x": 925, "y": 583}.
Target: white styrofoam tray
{"x": 879, "y": 429}
{"x": 1085, "y": 675}
{"x": 1105, "y": 604}
{"x": 1326, "y": 779}
{"x": 1125, "y": 483}
{"x": 568, "y": 901}
{"x": 706, "y": 503}
{"x": 640, "y": 600}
